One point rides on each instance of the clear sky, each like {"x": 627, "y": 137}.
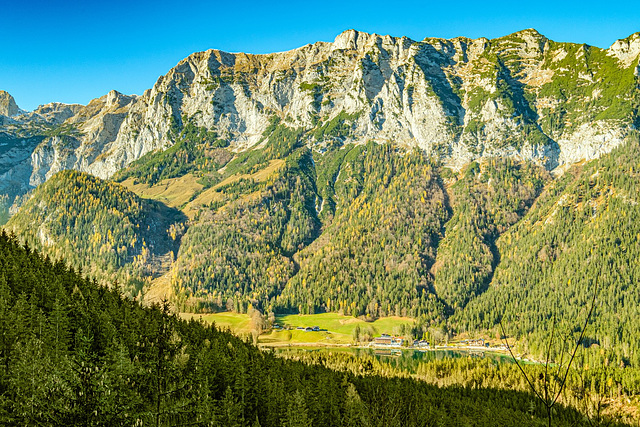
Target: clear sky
{"x": 74, "y": 51}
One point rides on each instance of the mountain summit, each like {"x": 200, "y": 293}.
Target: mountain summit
{"x": 8, "y": 106}
{"x": 522, "y": 96}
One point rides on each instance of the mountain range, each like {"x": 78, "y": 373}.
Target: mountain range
{"x": 456, "y": 181}
{"x": 521, "y": 95}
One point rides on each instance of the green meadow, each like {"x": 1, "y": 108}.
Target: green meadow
{"x": 238, "y": 323}
{"x": 335, "y": 329}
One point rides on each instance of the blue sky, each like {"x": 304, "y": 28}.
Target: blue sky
{"x": 74, "y": 51}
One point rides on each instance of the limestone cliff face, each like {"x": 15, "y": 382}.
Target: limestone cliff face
{"x": 85, "y": 140}
{"x": 55, "y": 113}
{"x": 521, "y": 95}
{"x": 8, "y": 106}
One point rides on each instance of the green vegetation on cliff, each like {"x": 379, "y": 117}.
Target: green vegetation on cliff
{"x": 195, "y": 150}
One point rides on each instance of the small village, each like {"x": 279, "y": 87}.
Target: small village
{"x": 390, "y": 341}
{"x": 397, "y": 343}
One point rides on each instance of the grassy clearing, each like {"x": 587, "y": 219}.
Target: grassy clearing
{"x": 238, "y": 323}
{"x": 174, "y": 192}
{"x": 203, "y": 199}
{"x": 336, "y": 329}
{"x": 213, "y": 194}
{"x": 341, "y": 327}
{"x": 179, "y": 192}
{"x": 344, "y": 324}
{"x": 259, "y": 176}
{"x": 293, "y": 337}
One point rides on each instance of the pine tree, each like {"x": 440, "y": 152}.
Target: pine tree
{"x": 297, "y": 413}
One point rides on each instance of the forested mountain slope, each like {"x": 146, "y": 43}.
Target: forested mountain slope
{"x": 487, "y": 199}
{"x": 75, "y": 353}
{"x": 376, "y": 249}
{"x": 367, "y": 230}
{"x": 101, "y": 228}
{"x": 580, "y": 237}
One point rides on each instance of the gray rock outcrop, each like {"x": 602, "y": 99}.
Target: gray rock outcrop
{"x": 8, "y": 106}
{"x": 521, "y": 95}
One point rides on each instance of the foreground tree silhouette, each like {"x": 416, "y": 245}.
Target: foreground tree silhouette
{"x": 551, "y": 390}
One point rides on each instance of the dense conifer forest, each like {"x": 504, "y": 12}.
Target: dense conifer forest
{"x": 101, "y": 228}
{"x": 580, "y": 238}
{"x": 486, "y": 201}
{"x": 77, "y": 353}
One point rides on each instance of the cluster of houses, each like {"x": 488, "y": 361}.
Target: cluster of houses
{"x": 389, "y": 341}
{"x": 300, "y": 328}
{"x": 421, "y": 344}
{"x": 309, "y": 328}
{"x": 474, "y": 343}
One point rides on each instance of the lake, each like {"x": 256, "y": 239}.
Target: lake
{"x": 407, "y": 360}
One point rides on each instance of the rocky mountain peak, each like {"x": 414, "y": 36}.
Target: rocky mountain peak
{"x": 460, "y": 99}
{"x": 349, "y": 39}
{"x": 8, "y": 106}
{"x": 531, "y": 33}
{"x": 527, "y": 44}
{"x": 117, "y": 100}
{"x": 360, "y": 41}
{"x": 626, "y": 50}
{"x": 57, "y": 112}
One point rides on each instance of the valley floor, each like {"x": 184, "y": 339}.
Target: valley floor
{"x": 334, "y": 330}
